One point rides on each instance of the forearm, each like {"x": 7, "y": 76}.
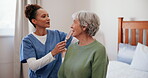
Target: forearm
{"x": 39, "y": 63}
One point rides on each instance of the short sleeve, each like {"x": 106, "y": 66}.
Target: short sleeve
{"x": 26, "y": 50}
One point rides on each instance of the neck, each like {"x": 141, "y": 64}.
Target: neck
{"x": 40, "y": 32}
{"x": 85, "y": 40}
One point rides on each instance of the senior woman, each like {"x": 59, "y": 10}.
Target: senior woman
{"x": 86, "y": 58}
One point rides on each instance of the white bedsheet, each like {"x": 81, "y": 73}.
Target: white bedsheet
{"x": 118, "y": 69}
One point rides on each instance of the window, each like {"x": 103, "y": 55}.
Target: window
{"x": 7, "y": 17}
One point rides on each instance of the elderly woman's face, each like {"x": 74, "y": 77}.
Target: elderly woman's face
{"x": 77, "y": 30}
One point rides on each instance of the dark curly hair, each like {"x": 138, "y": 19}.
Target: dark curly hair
{"x": 31, "y": 11}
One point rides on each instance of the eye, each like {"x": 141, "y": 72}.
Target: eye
{"x": 47, "y": 15}
{"x": 74, "y": 21}
{"x": 43, "y": 16}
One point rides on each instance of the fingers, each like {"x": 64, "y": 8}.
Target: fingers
{"x": 62, "y": 50}
{"x": 60, "y": 47}
{"x": 62, "y": 43}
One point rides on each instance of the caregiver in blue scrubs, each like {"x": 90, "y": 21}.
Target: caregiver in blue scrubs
{"x": 42, "y": 48}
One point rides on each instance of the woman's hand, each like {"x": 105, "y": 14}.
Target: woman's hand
{"x": 60, "y": 47}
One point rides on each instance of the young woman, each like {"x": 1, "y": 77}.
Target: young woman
{"x": 42, "y": 48}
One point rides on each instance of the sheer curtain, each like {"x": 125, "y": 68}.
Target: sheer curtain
{"x": 22, "y": 28}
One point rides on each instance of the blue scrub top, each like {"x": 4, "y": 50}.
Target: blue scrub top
{"x": 32, "y": 47}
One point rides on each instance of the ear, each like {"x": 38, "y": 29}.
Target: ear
{"x": 34, "y": 21}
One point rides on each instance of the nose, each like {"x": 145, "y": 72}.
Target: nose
{"x": 71, "y": 26}
{"x": 48, "y": 18}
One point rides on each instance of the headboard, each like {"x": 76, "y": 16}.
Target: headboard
{"x": 132, "y": 32}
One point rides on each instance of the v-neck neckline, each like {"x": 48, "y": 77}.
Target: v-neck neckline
{"x": 40, "y": 41}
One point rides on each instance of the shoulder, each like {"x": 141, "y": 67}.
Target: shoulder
{"x": 27, "y": 38}
{"x": 100, "y": 49}
{"x": 54, "y": 31}
{"x": 72, "y": 47}
{"x": 99, "y": 45}
{"x": 100, "y": 52}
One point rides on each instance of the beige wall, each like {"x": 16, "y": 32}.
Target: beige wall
{"x": 108, "y": 11}
{"x": 6, "y": 56}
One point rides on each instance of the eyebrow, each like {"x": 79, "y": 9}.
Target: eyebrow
{"x": 45, "y": 14}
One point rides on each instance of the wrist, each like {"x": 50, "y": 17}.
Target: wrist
{"x": 53, "y": 53}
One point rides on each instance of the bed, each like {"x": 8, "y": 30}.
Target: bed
{"x": 132, "y": 57}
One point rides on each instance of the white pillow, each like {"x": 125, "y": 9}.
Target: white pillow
{"x": 140, "y": 59}
{"x": 126, "y": 53}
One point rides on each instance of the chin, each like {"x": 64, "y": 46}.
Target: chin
{"x": 47, "y": 26}
{"x": 74, "y": 35}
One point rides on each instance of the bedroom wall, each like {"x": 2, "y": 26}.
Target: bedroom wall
{"x": 6, "y": 56}
{"x": 60, "y": 12}
{"x": 108, "y": 11}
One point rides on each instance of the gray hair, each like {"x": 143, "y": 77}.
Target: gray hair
{"x": 89, "y": 20}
